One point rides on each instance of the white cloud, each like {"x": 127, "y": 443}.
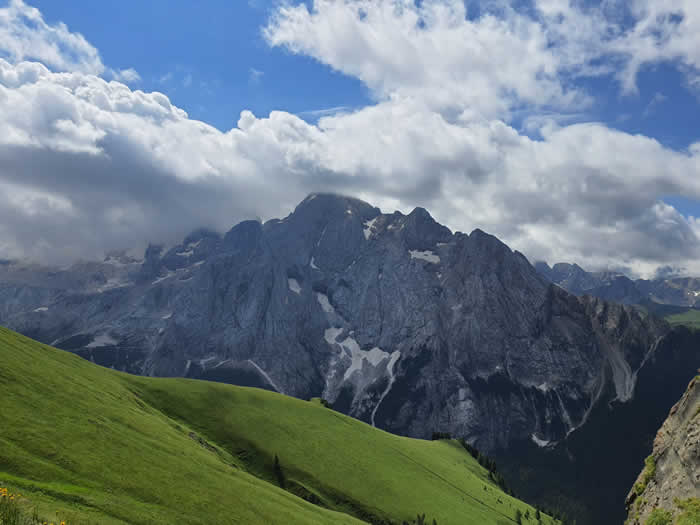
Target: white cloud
{"x": 24, "y": 35}
{"x": 87, "y": 165}
{"x": 128, "y": 76}
{"x": 255, "y": 75}
{"x": 662, "y": 31}
{"x": 167, "y": 77}
{"x": 121, "y": 165}
{"x": 431, "y": 52}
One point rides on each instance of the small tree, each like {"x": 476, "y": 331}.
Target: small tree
{"x": 278, "y": 472}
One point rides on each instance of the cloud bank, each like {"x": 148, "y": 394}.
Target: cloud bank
{"x": 88, "y": 164}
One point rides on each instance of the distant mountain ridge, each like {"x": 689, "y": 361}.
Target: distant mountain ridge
{"x": 614, "y": 286}
{"x": 392, "y": 318}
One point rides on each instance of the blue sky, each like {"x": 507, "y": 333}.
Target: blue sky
{"x": 203, "y": 56}
{"x": 568, "y": 129}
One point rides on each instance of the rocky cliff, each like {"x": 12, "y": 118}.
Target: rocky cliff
{"x": 671, "y": 475}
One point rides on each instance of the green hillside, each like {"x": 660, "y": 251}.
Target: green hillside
{"x": 87, "y": 444}
{"x": 689, "y": 318}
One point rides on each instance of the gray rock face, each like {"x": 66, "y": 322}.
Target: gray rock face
{"x": 392, "y": 318}
{"x": 612, "y": 286}
{"x": 672, "y": 472}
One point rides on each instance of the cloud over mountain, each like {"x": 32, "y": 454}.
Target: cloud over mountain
{"x": 472, "y": 118}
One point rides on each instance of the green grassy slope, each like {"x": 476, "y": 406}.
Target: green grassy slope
{"x": 690, "y": 318}
{"x": 96, "y": 444}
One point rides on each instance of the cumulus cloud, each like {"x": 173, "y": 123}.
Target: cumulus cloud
{"x": 88, "y": 164}
{"x": 24, "y": 35}
{"x": 431, "y": 52}
{"x": 661, "y": 31}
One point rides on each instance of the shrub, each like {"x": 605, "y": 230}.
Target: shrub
{"x": 690, "y": 511}
{"x": 647, "y": 475}
{"x": 659, "y": 517}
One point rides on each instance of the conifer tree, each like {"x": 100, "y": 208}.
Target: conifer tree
{"x": 278, "y": 472}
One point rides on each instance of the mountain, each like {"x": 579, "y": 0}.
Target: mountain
{"x": 613, "y": 286}
{"x": 590, "y": 473}
{"x": 669, "y": 485}
{"x": 391, "y": 318}
{"x": 84, "y": 444}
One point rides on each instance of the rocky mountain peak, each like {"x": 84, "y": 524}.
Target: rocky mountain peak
{"x": 330, "y": 206}
{"x": 422, "y": 232}
{"x": 244, "y": 236}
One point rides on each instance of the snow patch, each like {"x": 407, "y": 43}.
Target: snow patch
{"x": 167, "y": 316}
{"x": 294, "y": 286}
{"x": 348, "y": 211}
{"x": 358, "y": 356}
{"x": 267, "y": 377}
{"x": 188, "y": 253}
{"x": 369, "y": 228}
{"x": 539, "y": 442}
{"x": 331, "y": 334}
{"x": 204, "y": 362}
{"x": 544, "y": 387}
{"x": 187, "y": 367}
{"x": 318, "y": 243}
{"x": 160, "y": 279}
{"x": 426, "y": 255}
{"x": 102, "y": 340}
{"x": 313, "y": 264}
{"x": 326, "y": 305}
{"x": 375, "y": 356}
{"x": 112, "y": 284}
{"x": 42, "y": 309}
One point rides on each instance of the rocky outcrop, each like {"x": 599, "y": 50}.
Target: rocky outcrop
{"x": 672, "y": 472}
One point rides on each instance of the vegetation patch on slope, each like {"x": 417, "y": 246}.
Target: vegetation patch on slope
{"x": 689, "y": 318}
